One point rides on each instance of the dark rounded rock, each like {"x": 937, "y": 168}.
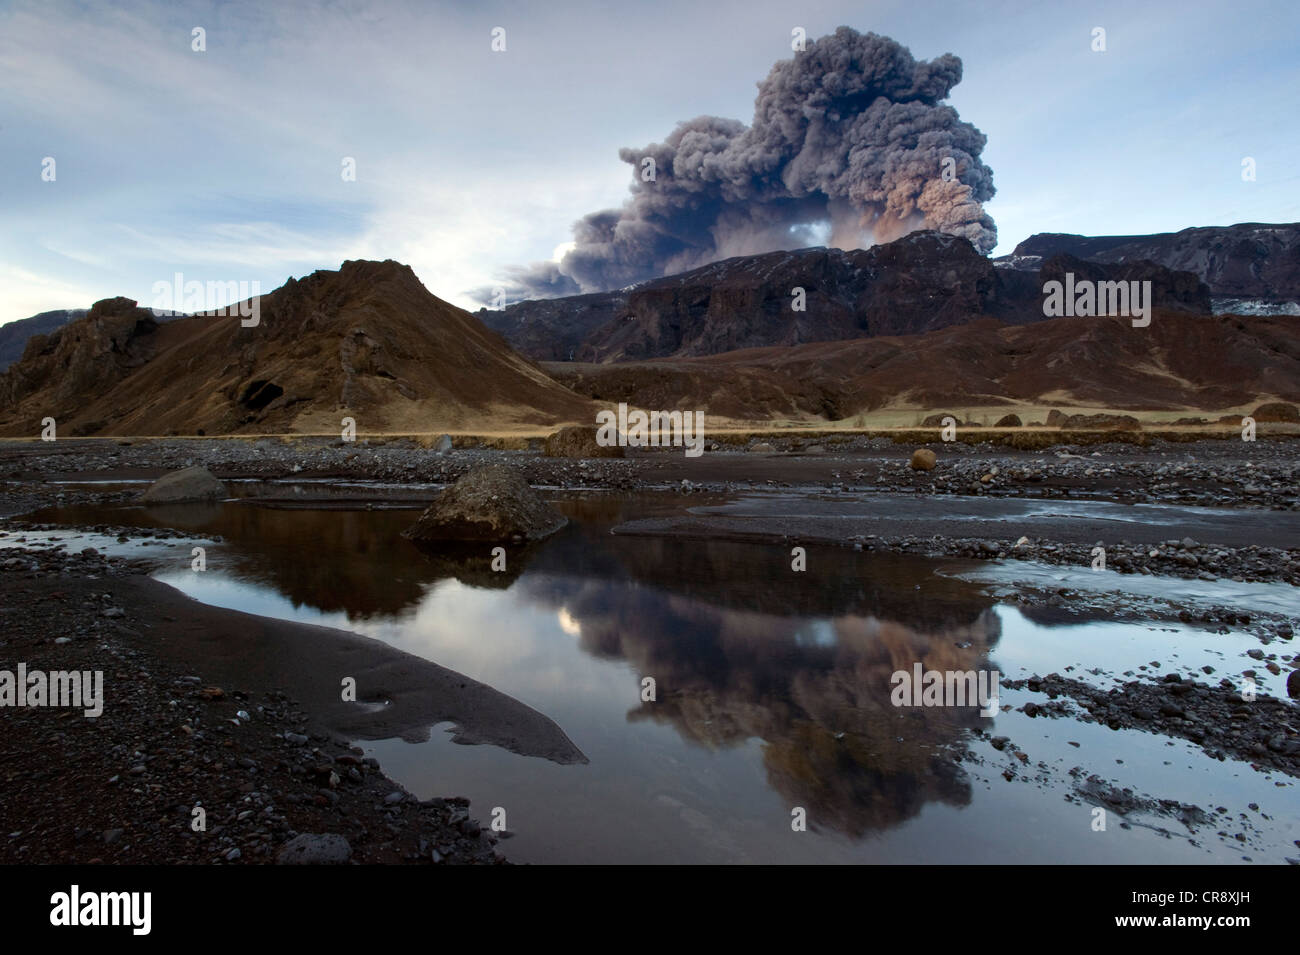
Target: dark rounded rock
{"x": 578, "y": 441}
{"x": 315, "y": 849}
{"x": 490, "y": 504}
{"x": 187, "y": 484}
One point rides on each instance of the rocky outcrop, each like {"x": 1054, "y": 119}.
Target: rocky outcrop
{"x": 15, "y": 335}
{"x": 578, "y": 441}
{"x": 489, "y": 504}
{"x": 186, "y": 485}
{"x": 93, "y": 353}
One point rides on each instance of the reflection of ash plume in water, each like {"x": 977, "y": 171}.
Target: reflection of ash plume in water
{"x": 817, "y": 694}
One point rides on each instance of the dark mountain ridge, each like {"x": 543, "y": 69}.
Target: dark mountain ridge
{"x": 922, "y": 282}
{"x": 1250, "y": 260}
{"x": 14, "y": 335}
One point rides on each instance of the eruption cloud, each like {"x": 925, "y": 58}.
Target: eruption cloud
{"x": 850, "y": 135}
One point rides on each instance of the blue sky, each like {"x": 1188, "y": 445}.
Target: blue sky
{"x": 225, "y": 165}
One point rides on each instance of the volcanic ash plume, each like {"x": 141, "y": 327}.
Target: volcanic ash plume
{"x": 850, "y": 135}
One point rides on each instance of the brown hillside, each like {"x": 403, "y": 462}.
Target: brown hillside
{"x": 1179, "y": 361}
{"x": 367, "y": 341}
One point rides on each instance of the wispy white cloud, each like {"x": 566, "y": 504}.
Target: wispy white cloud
{"x": 470, "y": 162}
{"x": 27, "y": 293}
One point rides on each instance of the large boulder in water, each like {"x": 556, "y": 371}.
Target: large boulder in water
{"x": 189, "y": 484}
{"x": 489, "y": 504}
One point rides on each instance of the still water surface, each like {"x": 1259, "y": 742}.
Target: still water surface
{"x": 772, "y": 692}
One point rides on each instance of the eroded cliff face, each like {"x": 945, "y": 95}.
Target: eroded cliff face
{"x": 1249, "y": 260}
{"x": 15, "y": 335}
{"x": 75, "y": 361}
{"x": 1172, "y": 291}
{"x": 923, "y": 282}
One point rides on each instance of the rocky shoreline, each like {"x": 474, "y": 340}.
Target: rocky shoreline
{"x": 1185, "y": 558}
{"x": 273, "y": 783}
{"x": 1260, "y": 731}
{"x": 1210, "y": 473}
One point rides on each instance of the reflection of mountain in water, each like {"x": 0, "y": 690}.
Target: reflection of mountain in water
{"x": 740, "y": 647}
{"x": 759, "y": 578}
{"x": 815, "y": 691}
{"x": 356, "y": 561}
{"x": 335, "y": 560}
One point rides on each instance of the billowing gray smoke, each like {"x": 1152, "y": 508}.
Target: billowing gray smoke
{"x": 849, "y": 134}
